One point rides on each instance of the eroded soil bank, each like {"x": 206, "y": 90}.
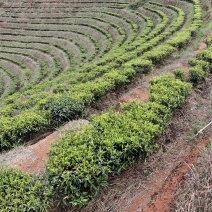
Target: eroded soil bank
{"x": 32, "y": 158}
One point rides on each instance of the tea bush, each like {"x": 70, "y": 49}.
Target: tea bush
{"x": 64, "y": 109}
{"x": 20, "y": 192}
{"x": 180, "y": 74}
{"x": 80, "y": 164}
{"x": 197, "y": 74}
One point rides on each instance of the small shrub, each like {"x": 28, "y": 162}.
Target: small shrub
{"x": 21, "y": 192}
{"x": 64, "y": 109}
{"x": 140, "y": 65}
{"x": 195, "y": 62}
{"x": 197, "y": 74}
{"x": 209, "y": 40}
{"x": 116, "y": 78}
{"x": 168, "y": 91}
{"x": 205, "y": 55}
{"x": 13, "y": 130}
{"x": 180, "y": 74}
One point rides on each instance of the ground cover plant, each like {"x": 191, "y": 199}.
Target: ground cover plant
{"x": 21, "y": 192}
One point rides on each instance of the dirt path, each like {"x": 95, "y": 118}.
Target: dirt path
{"x": 32, "y": 158}
{"x": 164, "y": 183}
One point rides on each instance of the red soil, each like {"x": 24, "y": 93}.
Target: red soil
{"x": 136, "y": 94}
{"x": 35, "y": 162}
{"x": 162, "y": 187}
{"x": 163, "y": 200}
{"x": 32, "y": 159}
{"x": 201, "y": 46}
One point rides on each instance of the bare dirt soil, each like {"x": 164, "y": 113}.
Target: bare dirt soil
{"x": 32, "y": 159}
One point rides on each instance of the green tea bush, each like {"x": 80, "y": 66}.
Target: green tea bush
{"x": 180, "y": 74}
{"x": 98, "y": 88}
{"x": 80, "y": 164}
{"x": 139, "y": 65}
{"x": 209, "y": 40}
{"x": 20, "y": 192}
{"x": 195, "y": 62}
{"x": 13, "y": 130}
{"x": 180, "y": 40}
{"x": 64, "y": 109}
{"x": 197, "y": 74}
{"x": 129, "y": 72}
{"x": 116, "y": 77}
{"x": 159, "y": 53}
{"x": 169, "y": 91}
{"x": 206, "y": 55}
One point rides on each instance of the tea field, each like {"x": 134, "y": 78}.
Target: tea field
{"x": 58, "y": 57}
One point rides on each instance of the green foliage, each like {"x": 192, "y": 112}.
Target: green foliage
{"x": 129, "y": 72}
{"x": 98, "y": 88}
{"x": 201, "y": 66}
{"x": 209, "y": 40}
{"x": 64, "y": 109}
{"x": 197, "y": 74}
{"x": 116, "y": 77}
{"x": 13, "y": 130}
{"x": 80, "y": 164}
{"x": 169, "y": 91}
{"x": 180, "y": 74}
{"x": 206, "y": 55}
{"x": 159, "y": 53}
{"x": 206, "y": 66}
{"x": 180, "y": 40}
{"x": 20, "y": 192}
{"x": 139, "y": 65}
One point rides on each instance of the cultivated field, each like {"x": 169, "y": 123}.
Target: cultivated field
{"x": 45, "y": 47}
{"x": 59, "y": 57}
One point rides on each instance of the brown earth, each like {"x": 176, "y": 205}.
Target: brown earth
{"x": 163, "y": 186}
{"x": 32, "y": 159}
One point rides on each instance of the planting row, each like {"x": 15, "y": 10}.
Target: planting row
{"x": 81, "y": 89}
{"x": 66, "y": 50}
{"x": 80, "y": 164}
